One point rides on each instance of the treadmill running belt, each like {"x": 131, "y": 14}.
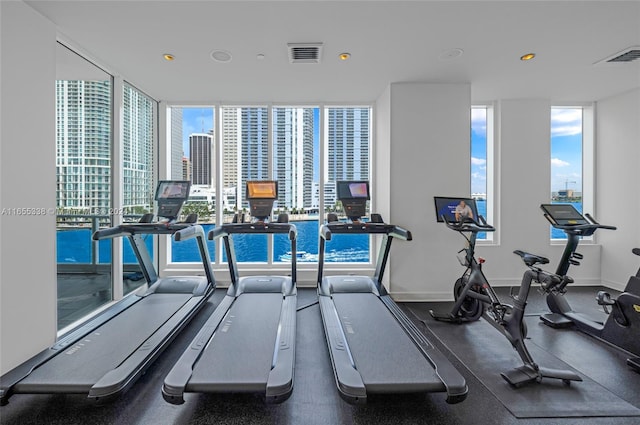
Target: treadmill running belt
{"x": 82, "y": 364}
{"x": 386, "y": 357}
{"x": 239, "y": 357}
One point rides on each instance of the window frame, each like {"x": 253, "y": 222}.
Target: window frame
{"x": 588, "y": 161}
{"x": 306, "y": 271}
{"x": 493, "y": 193}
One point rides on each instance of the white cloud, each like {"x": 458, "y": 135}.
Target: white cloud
{"x": 556, "y": 162}
{"x": 479, "y": 119}
{"x": 566, "y": 121}
{"x": 478, "y": 161}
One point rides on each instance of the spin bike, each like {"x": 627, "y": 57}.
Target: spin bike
{"x": 622, "y": 326}
{"x": 475, "y": 298}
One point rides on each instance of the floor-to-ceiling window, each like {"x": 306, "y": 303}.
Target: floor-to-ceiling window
{"x": 83, "y": 186}
{"x": 282, "y": 143}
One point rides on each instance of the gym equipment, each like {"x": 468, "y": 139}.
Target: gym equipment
{"x": 374, "y": 347}
{"x": 622, "y": 326}
{"x": 104, "y": 356}
{"x": 248, "y": 343}
{"x": 475, "y": 298}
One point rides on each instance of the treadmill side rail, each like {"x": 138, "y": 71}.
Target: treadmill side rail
{"x": 280, "y": 381}
{"x": 454, "y": 382}
{"x": 176, "y": 381}
{"x": 348, "y": 379}
{"x": 119, "y": 379}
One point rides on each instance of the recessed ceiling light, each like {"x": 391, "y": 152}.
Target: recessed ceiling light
{"x": 260, "y": 56}
{"x": 344, "y": 56}
{"x": 168, "y": 56}
{"x": 451, "y": 54}
{"x": 221, "y": 56}
{"x": 527, "y": 57}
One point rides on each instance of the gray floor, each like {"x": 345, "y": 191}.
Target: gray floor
{"x": 315, "y": 399}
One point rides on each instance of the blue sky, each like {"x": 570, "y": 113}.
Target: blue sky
{"x": 566, "y": 149}
{"x": 478, "y": 150}
{"x": 566, "y": 144}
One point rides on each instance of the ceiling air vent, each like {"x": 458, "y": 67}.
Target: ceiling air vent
{"x": 627, "y": 55}
{"x": 304, "y": 52}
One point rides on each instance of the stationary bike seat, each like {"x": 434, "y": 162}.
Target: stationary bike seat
{"x": 531, "y": 259}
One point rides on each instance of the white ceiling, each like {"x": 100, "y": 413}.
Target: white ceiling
{"x": 389, "y": 41}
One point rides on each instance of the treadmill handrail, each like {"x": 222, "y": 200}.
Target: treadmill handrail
{"x": 196, "y": 231}
{"x": 364, "y": 228}
{"x": 128, "y": 229}
{"x": 389, "y": 231}
{"x": 226, "y": 230}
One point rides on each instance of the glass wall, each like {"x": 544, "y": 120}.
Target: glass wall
{"x": 282, "y": 143}
{"x": 83, "y": 185}
{"x": 138, "y": 142}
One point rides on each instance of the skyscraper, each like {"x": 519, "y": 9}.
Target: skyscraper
{"x": 137, "y": 150}
{"x": 348, "y": 147}
{"x": 83, "y": 144}
{"x": 201, "y": 156}
{"x": 293, "y": 156}
{"x": 231, "y": 117}
{"x": 176, "y": 143}
{"x": 254, "y": 148}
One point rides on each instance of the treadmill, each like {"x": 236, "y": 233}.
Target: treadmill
{"x": 374, "y": 347}
{"x": 104, "y": 356}
{"x": 248, "y": 343}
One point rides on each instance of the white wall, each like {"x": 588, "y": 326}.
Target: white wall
{"x": 524, "y": 182}
{"x": 27, "y": 169}
{"x": 618, "y": 185}
{"x": 423, "y": 152}
{"x": 423, "y": 149}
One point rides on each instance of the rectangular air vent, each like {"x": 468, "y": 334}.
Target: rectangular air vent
{"x": 304, "y": 52}
{"x": 627, "y": 55}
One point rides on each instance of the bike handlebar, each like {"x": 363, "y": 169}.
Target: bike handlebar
{"x": 468, "y": 224}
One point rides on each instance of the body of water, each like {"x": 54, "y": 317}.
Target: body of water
{"x": 74, "y": 246}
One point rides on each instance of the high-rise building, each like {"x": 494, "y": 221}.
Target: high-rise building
{"x": 177, "y": 152}
{"x": 137, "y": 150}
{"x": 201, "y": 156}
{"x": 254, "y": 148}
{"x": 348, "y": 144}
{"x": 186, "y": 168}
{"x": 293, "y": 156}
{"x": 231, "y": 117}
{"x": 83, "y": 144}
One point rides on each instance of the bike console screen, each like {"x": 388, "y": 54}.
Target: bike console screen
{"x": 564, "y": 214}
{"x": 455, "y": 209}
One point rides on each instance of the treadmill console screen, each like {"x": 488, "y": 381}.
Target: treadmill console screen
{"x": 261, "y": 195}
{"x": 354, "y": 196}
{"x": 455, "y": 209}
{"x": 564, "y": 214}
{"x": 171, "y": 195}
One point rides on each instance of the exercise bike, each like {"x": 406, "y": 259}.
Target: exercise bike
{"x": 475, "y": 298}
{"x": 622, "y": 326}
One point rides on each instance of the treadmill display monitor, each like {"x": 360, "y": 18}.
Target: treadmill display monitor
{"x": 173, "y": 189}
{"x": 171, "y": 195}
{"x": 353, "y": 195}
{"x": 564, "y": 214}
{"x": 261, "y": 195}
{"x": 455, "y": 209}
